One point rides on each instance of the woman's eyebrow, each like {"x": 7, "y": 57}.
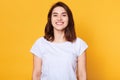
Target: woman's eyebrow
{"x": 58, "y": 13}
{"x": 54, "y": 13}
{"x": 64, "y": 12}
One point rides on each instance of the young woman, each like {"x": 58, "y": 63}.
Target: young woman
{"x": 59, "y": 54}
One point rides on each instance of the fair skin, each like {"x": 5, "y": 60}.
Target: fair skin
{"x": 59, "y": 21}
{"x": 37, "y": 65}
{"x": 82, "y": 67}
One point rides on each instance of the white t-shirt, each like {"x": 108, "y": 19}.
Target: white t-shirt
{"x": 58, "y": 59}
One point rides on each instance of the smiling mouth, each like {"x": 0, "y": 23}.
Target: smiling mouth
{"x": 59, "y": 23}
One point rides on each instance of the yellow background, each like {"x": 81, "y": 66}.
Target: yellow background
{"x": 97, "y": 22}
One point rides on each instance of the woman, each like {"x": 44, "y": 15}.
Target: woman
{"x": 59, "y": 54}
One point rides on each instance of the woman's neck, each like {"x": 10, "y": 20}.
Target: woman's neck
{"x": 59, "y": 36}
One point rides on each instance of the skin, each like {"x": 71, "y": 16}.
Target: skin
{"x": 82, "y": 67}
{"x": 59, "y": 21}
{"x": 37, "y": 66}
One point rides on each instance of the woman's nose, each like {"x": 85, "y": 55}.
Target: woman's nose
{"x": 59, "y": 18}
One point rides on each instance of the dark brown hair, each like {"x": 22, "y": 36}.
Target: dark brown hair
{"x": 70, "y": 34}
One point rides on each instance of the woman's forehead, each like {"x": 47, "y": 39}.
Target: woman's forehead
{"x": 59, "y": 9}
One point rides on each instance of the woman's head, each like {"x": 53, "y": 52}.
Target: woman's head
{"x": 60, "y": 18}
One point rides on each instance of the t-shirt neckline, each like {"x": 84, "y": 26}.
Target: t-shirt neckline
{"x": 56, "y": 43}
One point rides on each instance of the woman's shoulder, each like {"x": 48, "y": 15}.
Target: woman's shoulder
{"x": 40, "y": 40}
{"x": 80, "y": 45}
{"x": 78, "y": 39}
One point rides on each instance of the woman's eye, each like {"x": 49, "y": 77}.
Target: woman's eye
{"x": 54, "y": 15}
{"x": 64, "y": 15}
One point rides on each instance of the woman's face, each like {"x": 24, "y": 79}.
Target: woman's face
{"x": 59, "y": 18}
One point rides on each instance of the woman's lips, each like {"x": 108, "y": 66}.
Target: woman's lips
{"x": 59, "y": 23}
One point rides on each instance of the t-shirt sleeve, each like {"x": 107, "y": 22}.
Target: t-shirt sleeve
{"x": 37, "y": 48}
{"x": 81, "y": 46}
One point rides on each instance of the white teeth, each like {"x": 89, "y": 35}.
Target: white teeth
{"x": 59, "y": 23}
